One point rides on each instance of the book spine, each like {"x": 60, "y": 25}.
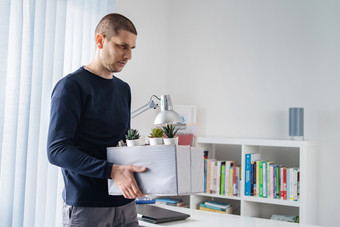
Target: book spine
{"x": 237, "y": 178}
{"x": 218, "y": 177}
{"x": 257, "y": 178}
{"x": 222, "y": 178}
{"x": 252, "y": 180}
{"x": 281, "y": 183}
{"x": 264, "y": 180}
{"x": 271, "y": 181}
{"x": 212, "y": 210}
{"x": 212, "y": 207}
{"x": 214, "y": 178}
{"x": 277, "y": 176}
{"x": 247, "y": 182}
{"x": 295, "y": 184}
{"x": 231, "y": 180}
{"x": 285, "y": 183}
{"x": 205, "y": 175}
{"x": 261, "y": 178}
{"x": 209, "y": 163}
{"x": 288, "y": 183}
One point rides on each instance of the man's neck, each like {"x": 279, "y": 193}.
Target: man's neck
{"x": 98, "y": 70}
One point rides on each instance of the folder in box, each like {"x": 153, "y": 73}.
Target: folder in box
{"x": 168, "y": 168}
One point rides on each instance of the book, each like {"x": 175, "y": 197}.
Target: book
{"x": 269, "y": 163}
{"x": 264, "y": 181}
{"x": 209, "y": 175}
{"x": 222, "y": 178}
{"x": 214, "y": 178}
{"x": 271, "y": 180}
{"x": 277, "y": 182}
{"x": 218, "y": 177}
{"x": 212, "y": 210}
{"x": 212, "y": 207}
{"x": 249, "y": 158}
{"x": 168, "y": 200}
{"x": 260, "y": 163}
{"x": 231, "y": 180}
{"x": 205, "y": 170}
{"x": 217, "y": 204}
{"x": 294, "y": 193}
{"x": 252, "y": 179}
{"x": 238, "y": 180}
{"x": 257, "y": 163}
{"x": 228, "y": 164}
{"x": 228, "y": 210}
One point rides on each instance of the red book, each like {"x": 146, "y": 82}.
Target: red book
{"x": 285, "y": 183}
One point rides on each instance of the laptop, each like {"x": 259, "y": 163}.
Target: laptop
{"x": 154, "y": 214}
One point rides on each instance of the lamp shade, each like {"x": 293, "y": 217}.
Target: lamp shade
{"x": 167, "y": 115}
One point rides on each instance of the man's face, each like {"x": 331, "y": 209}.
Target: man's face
{"x": 117, "y": 51}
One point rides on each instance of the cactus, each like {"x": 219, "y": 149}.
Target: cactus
{"x": 132, "y": 134}
{"x": 170, "y": 130}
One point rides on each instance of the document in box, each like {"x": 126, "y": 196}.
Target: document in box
{"x": 168, "y": 168}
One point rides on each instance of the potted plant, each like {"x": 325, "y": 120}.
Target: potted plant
{"x": 132, "y": 138}
{"x": 156, "y": 136}
{"x": 170, "y": 131}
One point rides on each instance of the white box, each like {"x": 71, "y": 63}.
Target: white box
{"x": 168, "y": 168}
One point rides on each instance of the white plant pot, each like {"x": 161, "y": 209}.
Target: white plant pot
{"x": 132, "y": 143}
{"x": 168, "y": 141}
{"x": 155, "y": 141}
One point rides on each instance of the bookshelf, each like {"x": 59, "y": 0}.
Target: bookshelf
{"x": 300, "y": 154}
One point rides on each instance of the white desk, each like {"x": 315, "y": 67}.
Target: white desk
{"x": 199, "y": 218}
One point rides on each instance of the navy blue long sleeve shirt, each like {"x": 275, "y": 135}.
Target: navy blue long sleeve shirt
{"x": 88, "y": 114}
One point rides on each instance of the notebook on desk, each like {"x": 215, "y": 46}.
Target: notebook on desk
{"x": 155, "y": 214}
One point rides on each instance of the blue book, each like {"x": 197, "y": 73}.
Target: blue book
{"x": 145, "y": 200}
{"x": 248, "y": 159}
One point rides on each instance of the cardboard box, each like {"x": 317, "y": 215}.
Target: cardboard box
{"x": 169, "y": 168}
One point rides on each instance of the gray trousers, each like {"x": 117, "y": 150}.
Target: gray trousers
{"x": 123, "y": 216}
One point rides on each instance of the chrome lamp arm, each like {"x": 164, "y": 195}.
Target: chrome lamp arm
{"x": 150, "y": 105}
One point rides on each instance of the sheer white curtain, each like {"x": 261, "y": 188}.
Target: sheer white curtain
{"x": 40, "y": 42}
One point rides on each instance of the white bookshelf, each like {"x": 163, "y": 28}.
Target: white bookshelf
{"x": 301, "y": 154}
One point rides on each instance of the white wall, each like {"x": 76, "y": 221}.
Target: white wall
{"x": 244, "y": 63}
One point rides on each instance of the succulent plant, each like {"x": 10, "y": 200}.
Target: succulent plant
{"x": 170, "y": 130}
{"x": 156, "y": 133}
{"x": 132, "y": 134}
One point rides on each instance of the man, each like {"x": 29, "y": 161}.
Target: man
{"x": 90, "y": 111}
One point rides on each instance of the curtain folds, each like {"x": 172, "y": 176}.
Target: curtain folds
{"x": 41, "y": 41}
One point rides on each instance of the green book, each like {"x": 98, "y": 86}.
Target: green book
{"x": 261, "y": 178}
{"x": 222, "y": 178}
{"x": 277, "y": 178}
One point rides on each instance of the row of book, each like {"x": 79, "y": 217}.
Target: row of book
{"x": 217, "y": 207}
{"x": 222, "y": 177}
{"x": 263, "y": 178}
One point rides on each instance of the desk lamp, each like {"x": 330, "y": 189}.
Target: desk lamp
{"x": 165, "y": 116}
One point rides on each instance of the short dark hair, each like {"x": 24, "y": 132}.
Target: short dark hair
{"x": 111, "y": 24}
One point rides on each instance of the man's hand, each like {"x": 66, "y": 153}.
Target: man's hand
{"x": 125, "y": 180}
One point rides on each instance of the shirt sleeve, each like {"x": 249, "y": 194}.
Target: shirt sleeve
{"x": 65, "y": 115}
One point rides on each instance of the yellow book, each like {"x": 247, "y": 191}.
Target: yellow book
{"x": 217, "y": 211}
{"x": 269, "y": 180}
{"x": 231, "y": 180}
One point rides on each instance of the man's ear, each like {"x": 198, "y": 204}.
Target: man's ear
{"x": 99, "y": 41}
